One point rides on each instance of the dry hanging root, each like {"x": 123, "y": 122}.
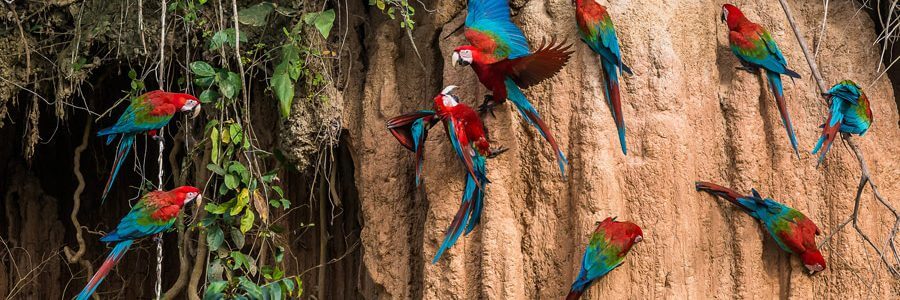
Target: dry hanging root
{"x": 865, "y": 176}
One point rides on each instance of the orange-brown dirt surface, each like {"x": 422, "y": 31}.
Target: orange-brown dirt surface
{"x": 690, "y": 116}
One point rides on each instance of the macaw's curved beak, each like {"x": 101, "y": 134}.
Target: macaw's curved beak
{"x": 454, "y": 59}
{"x": 723, "y": 18}
{"x": 196, "y": 111}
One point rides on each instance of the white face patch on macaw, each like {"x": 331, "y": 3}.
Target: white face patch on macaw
{"x": 638, "y": 239}
{"x": 462, "y": 57}
{"x": 189, "y": 105}
{"x": 447, "y": 97}
{"x": 190, "y": 196}
{"x": 814, "y": 268}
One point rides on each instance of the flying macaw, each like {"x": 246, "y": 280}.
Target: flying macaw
{"x": 597, "y": 31}
{"x": 467, "y": 136}
{"x": 154, "y": 213}
{"x": 503, "y": 62}
{"x": 850, "y": 112}
{"x": 147, "y": 113}
{"x": 792, "y": 230}
{"x": 755, "y": 48}
{"x": 606, "y": 251}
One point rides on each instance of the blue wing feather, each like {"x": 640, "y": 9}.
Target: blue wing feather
{"x": 493, "y": 17}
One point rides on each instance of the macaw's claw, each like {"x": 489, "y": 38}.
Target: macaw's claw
{"x": 748, "y": 69}
{"x": 487, "y": 106}
{"x": 497, "y": 151}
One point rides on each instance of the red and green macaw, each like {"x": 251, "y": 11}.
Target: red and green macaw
{"x": 147, "y": 113}
{"x": 154, "y": 213}
{"x": 755, "y": 48}
{"x": 503, "y": 62}
{"x": 850, "y": 113}
{"x": 606, "y": 251}
{"x": 597, "y": 31}
{"x": 467, "y": 136}
{"x": 792, "y": 230}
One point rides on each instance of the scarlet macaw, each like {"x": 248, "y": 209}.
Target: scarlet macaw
{"x": 792, "y": 230}
{"x": 147, "y": 113}
{"x": 755, "y": 48}
{"x": 154, "y": 213}
{"x": 500, "y": 56}
{"x": 850, "y": 112}
{"x": 597, "y": 31}
{"x": 606, "y": 251}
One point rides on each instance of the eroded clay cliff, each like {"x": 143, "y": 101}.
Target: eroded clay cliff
{"x": 690, "y": 116}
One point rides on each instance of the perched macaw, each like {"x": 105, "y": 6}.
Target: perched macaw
{"x": 503, "y": 62}
{"x": 154, "y": 213}
{"x": 792, "y": 230}
{"x": 850, "y": 112}
{"x": 606, "y": 251}
{"x": 597, "y": 31}
{"x": 467, "y": 136}
{"x": 755, "y": 48}
{"x": 147, "y": 113}
{"x": 411, "y": 130}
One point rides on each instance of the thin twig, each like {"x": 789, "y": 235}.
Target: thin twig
{"x": 76, "y": 256}
{"x": 865, "y": 176}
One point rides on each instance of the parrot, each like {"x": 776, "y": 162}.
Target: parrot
{"x": 146, "y": 113}
{"x": 597, "y": 31}
{"x": 755, "y": 48}
{"x": 500, "y": 56}
{"x": 606, "y": 251}
{"x": 467, "y": 136}
{"x": 411, "y": 130}
{"x": 791, "y": 230}
{"x": 850, "y": 112}
{"x": 154, "y": 213}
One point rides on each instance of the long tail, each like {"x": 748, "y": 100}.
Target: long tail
{"x": 110, "y": 261}
{"x": 578, "y": 287}
{"x": 778, "y": 92}
{"x": 124, "y": 147}
{"x": 531, "y": 115}
{"x": 830, "y": 129}
{"x": 718, "y": 190}
{"x": 478, "y": 201}
{"x": 469, "y": 213}
{"x": 613, "y": 98}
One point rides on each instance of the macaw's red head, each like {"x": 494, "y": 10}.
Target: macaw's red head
{"x": 186, "y": 194}
{"x": 732, "y": 15}
{"x": 186, "y": 102}
{"x": 463, "y": 55}
{"x": 813, "y": 261}
{"x": 446, "y": 99}
{"x": 626, "y": 233}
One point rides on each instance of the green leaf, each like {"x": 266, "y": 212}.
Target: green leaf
{"x": 237, "y": 133}
{"x": 285, "y": 203}
{"x": 214, "y": 137}
{"x": 132, "y": 74}
{"x": 225, "y": 37}
{"x": 214, "y": 238}
{"x": 247, "y": 221}
{"x": 255, "y": 15}
{"x": 253, "y": 290}
{"x": 216, "y": 169}
{"x": 204, "y": 82}
{"x": 202, "y": 69}
{"x": 279, "y": 254}
{"x": 230, "y": 85}
{"x": 208, "y": 96}
{"x": 214, "y": 290}
{"x": 237, "y": 237}
{"x": 242, "y": 200}
{"x": 283, "y": 80}
{"x": 230, "y": 181}
{"x": 323, "y": 21}
{"x": 239, "y": 260}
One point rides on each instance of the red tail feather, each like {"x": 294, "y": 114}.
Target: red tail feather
{"x": 574, "y": 295}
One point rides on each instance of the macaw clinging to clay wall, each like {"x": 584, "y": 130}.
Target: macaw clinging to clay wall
{"x": 147, "y": 113}
{"x": 606, "y": 251}
{"x": 850, "y": 112}
{"x": 503, "y": 62}
{"x": 156, "y": 212}
{"x": 467, "y": 136}
{"x": 597, "y": 31}
{"x": 792, "y": 230}
{"x": 755, "y": 48}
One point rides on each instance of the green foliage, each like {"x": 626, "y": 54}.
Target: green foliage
{"x": 256, "y": 15}
{"x": 392, "y": 7}
{"x": 323, "y": 21}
